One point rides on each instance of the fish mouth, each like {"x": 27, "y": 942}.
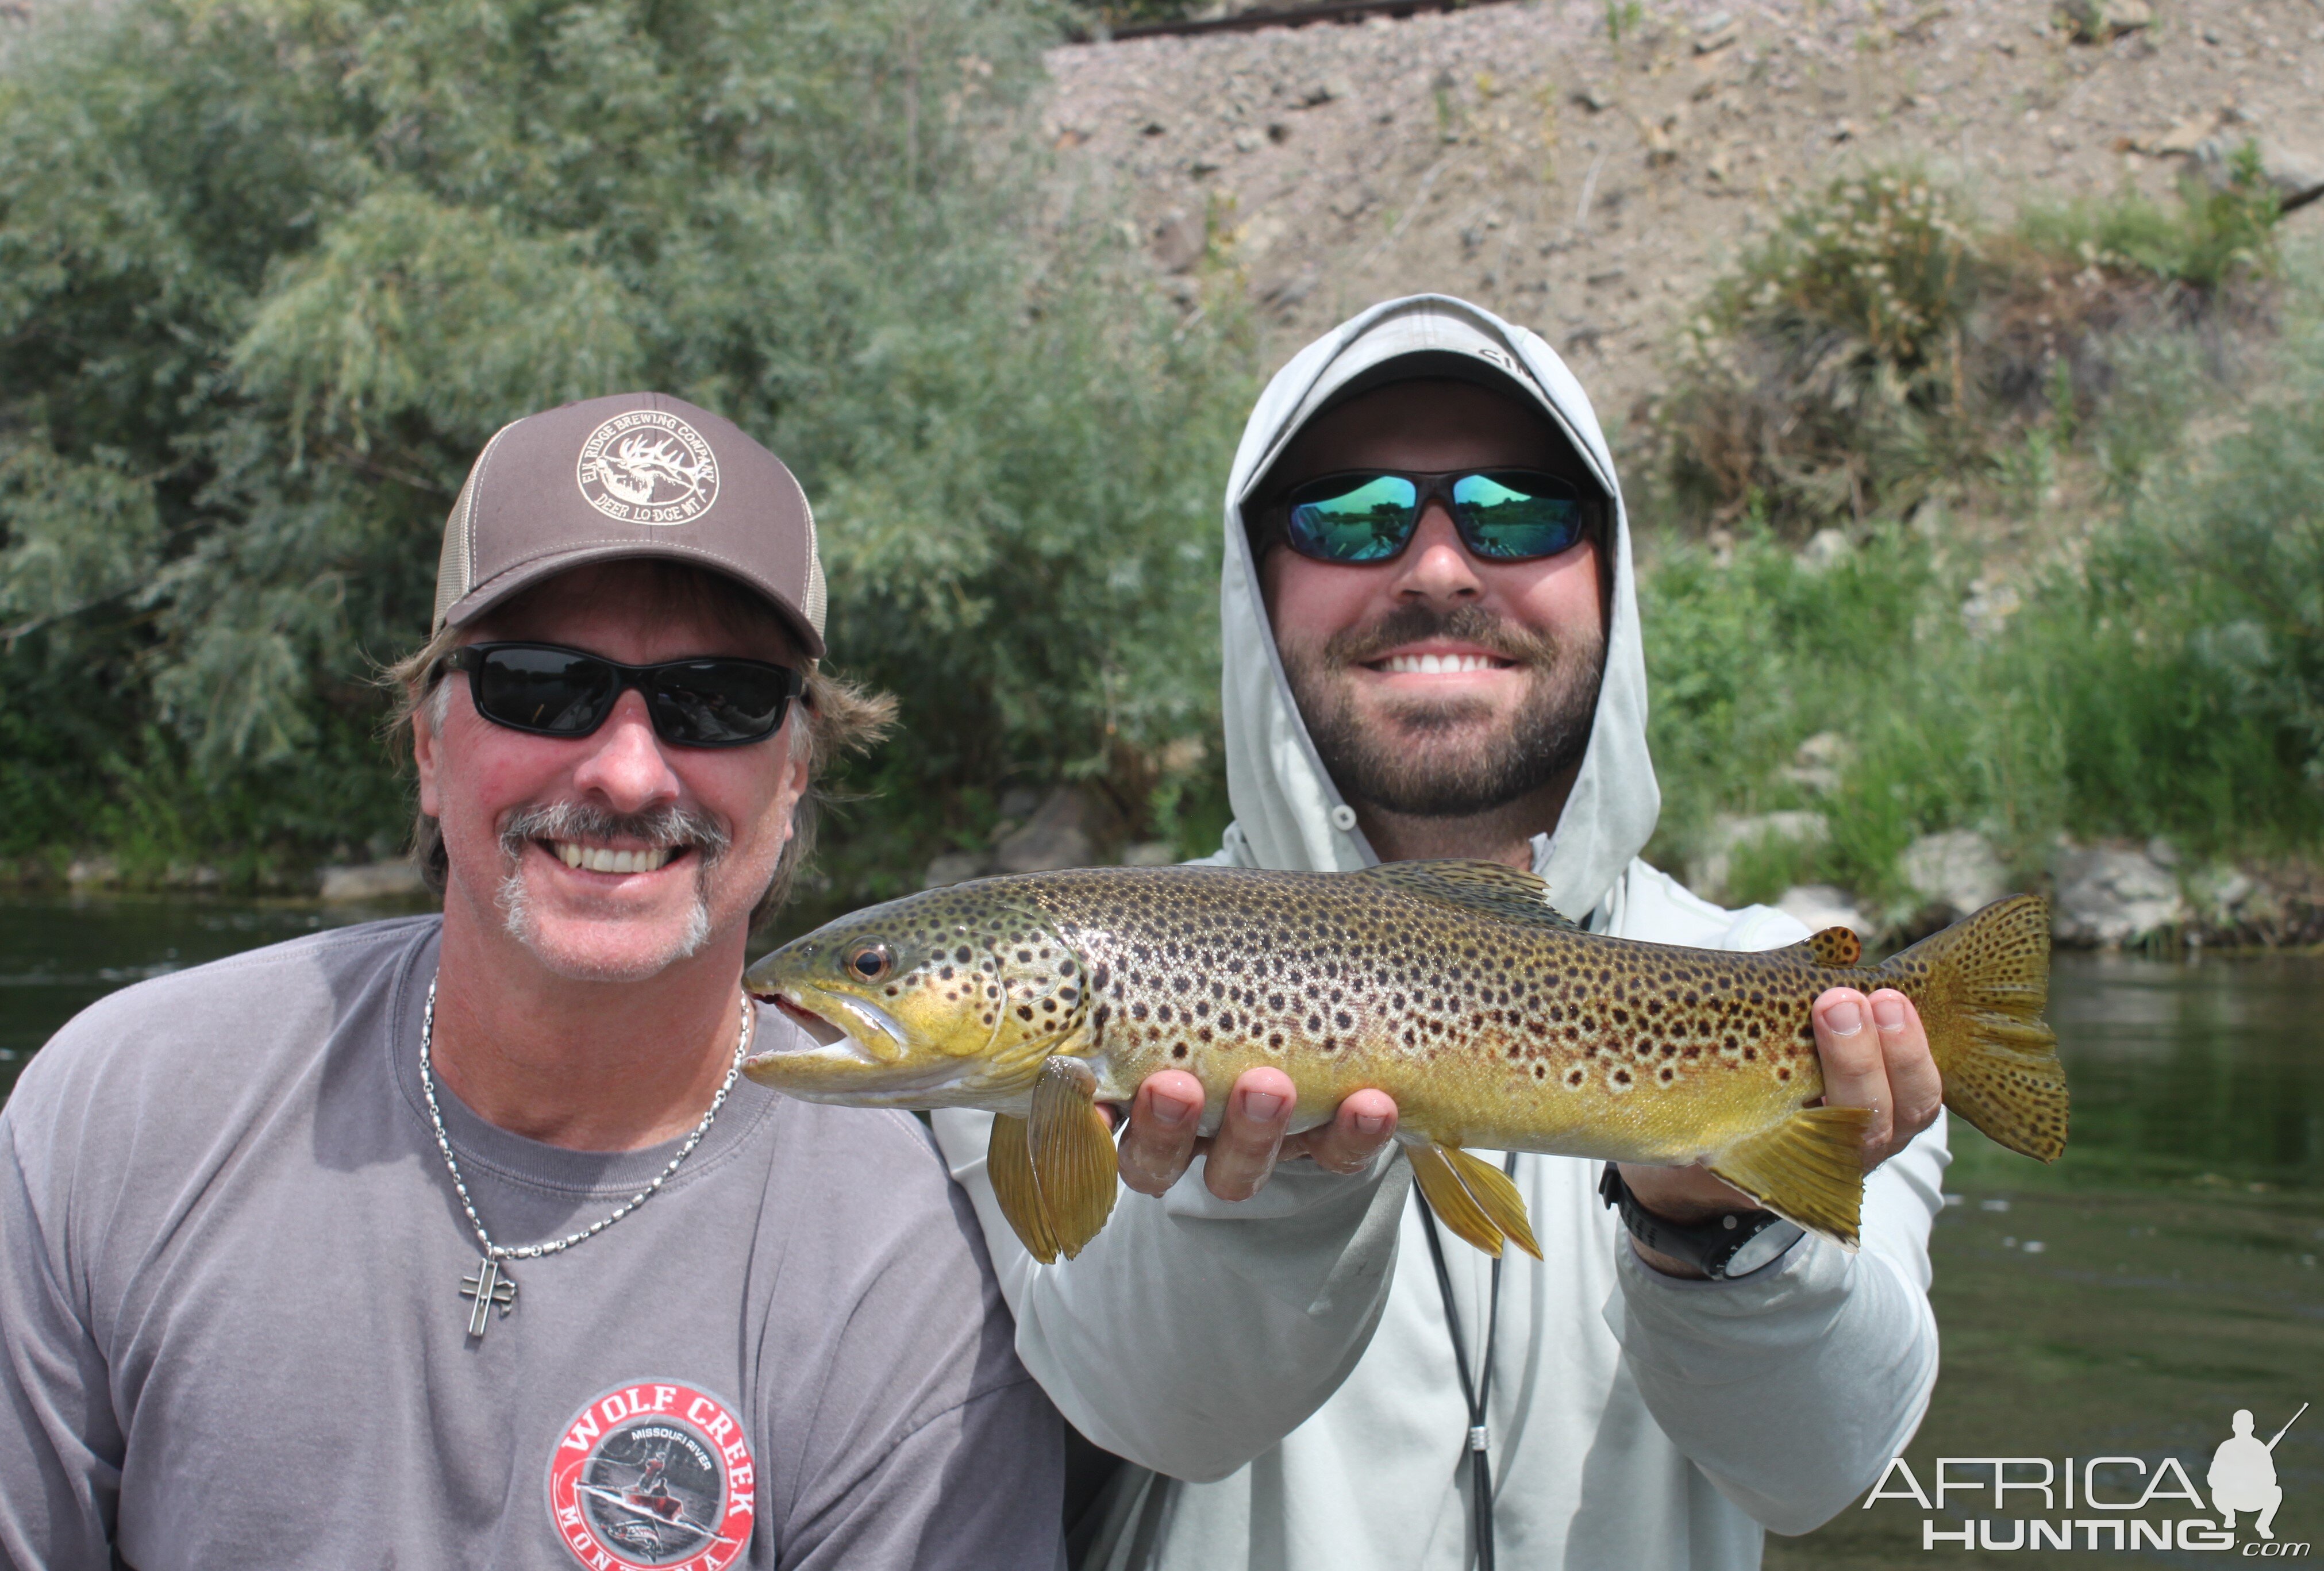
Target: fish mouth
{"x": 843, "y": 1029}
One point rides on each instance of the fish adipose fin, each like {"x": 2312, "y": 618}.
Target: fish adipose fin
{"x": 1810, "y": 1169}
{"x": 1834, "y": 947}
{"x": 1982, "y": 984}
{"x": 1474, "y": 1199}
{"x": 1055, "y": 1173}
{"x": 1494, "y": 886}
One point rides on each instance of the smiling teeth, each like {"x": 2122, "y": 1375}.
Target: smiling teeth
{"x": 600, "y": 860}
{"x": 1437, "y": 664}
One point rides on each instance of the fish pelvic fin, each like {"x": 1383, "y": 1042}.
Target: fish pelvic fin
{"x": 1809, "y": 1168}
{"x": 1009, "y": 1164}
{"x": 1981, "y": 985}
{"x": 1836, "y": 948}
{"x": 1495, "y": 1196}
{"x": 1449, "y": 1200}
{"x": 1475, "y": 1199}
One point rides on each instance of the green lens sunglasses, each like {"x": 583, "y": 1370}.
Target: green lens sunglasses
{"x": 1369, "y": 515}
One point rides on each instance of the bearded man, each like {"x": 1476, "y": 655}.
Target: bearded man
{"x": 456, "y": 1242}
{"x": 1431, "y": 649}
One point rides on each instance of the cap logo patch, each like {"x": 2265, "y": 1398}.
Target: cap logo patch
{"x": 647, "y": 466}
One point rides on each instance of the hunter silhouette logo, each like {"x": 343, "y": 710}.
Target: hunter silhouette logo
{"x": 647, "y": 466}
{"x": 2103, "y": 1502}
{"x": 2243, "y": 1476}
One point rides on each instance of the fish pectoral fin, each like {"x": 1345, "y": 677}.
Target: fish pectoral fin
{"x": 1809, "y": 1168}
{"x": 1009, "y": 1164}
{"x": 1495, "y": 1196}
{"x": 1075, "y": 1166}
{"x": 1474, "y": 887}
{"x": 1449, "y": 1198}
{"x": 1836, "y": 948}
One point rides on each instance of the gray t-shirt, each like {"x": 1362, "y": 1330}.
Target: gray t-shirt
{"x": 231, "y": 1329}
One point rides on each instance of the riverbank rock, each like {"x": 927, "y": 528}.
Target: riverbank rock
{"x": 1062, "y": 833}
{"x": 955, "y": 867}
{"x": 1820, "y": 905}
{"x": 2110, "y": 895}
{"x": 398, "y": 880}
{"x": 1954, "y": 873}
{"x": 1708, "y": 872}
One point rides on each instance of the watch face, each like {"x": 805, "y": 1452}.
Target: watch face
{"x": 1762, "y": 1247}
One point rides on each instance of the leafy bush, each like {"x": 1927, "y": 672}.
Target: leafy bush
{"x": 2167, "y": 679}
{"x": 1883, "y": 347}
{"x": 271, "y": 273}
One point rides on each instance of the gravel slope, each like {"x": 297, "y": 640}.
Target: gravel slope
{"x": 1591, "y": 185}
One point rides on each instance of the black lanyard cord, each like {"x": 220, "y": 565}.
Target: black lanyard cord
{"x": 1478, "y": 1391}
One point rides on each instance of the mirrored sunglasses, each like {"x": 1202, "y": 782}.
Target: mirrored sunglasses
{"x": 1502, "y": 515}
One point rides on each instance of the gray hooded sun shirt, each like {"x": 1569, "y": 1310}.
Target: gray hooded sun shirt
{"x": 1286, "y": 1361}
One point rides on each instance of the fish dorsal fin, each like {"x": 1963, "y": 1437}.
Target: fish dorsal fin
{"x": 1494, "y": 886}
{"x": 1835, "y": 948}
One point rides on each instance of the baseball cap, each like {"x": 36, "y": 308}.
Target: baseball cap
{"x": 635, "y": 474}
{"x": 1427, "y": 337}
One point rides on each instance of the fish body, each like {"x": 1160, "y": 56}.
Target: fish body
{"x": 1454, "y": 986}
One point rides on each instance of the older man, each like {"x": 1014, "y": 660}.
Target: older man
{"x": 1431, "y": 649}
{"x": 457, "y": 1242}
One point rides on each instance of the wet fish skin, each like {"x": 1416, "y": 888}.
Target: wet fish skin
{"x": 1450, "y": 986}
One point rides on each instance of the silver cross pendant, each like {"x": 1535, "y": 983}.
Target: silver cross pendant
{"x": 488, "y": 1287}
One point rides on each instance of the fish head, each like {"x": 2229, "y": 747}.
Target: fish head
{"x": 947, "y": 998}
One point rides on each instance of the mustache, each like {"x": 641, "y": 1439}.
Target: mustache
{"x": 662, "y": 826}
{"x": 1467, "y": 624}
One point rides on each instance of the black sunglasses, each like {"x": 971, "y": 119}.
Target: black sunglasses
{"x": 1369, "y": 515}
{"x": 552, "y": 691}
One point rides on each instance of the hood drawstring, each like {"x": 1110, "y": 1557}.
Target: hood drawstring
{"x": 1478, "y": 1391}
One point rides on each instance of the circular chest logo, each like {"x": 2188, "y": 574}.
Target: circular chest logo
{"x": 647, "y": 466}
{"x": 654, "y": 1474}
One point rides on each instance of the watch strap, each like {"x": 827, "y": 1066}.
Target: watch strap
{"x": 1729, "y": 1245}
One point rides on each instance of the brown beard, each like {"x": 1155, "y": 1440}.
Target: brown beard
{"x": 1409, "y": 762}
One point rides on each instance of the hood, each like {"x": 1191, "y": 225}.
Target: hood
{"x": 1287, "y": 813}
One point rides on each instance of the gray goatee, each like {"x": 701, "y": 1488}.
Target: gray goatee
{"x": 579, "y": 820}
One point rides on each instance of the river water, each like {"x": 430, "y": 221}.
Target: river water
{"x": 2122, "y": 1302}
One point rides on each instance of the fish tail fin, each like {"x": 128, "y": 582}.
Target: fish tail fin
{"x": 1810, "y": 1169}
{"x": 1474, "y": 1199}
{"x": 1981, "y": 985}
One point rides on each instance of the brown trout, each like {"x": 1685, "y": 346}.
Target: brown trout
{"x": 1454, "y": 986}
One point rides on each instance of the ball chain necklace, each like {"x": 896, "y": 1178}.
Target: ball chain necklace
{"x": 490, "y": 1287}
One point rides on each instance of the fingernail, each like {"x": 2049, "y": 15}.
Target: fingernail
{"x": 1844, "y": 1018}
{"x": 1888, "y": 1014}
{"x": 1370, "y": 1123}
{"x": 1263, "y": 1106}
{"x": 1168, "y": 1111}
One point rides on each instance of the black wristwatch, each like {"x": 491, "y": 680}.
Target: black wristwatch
{"x": 1733, "y": 1244}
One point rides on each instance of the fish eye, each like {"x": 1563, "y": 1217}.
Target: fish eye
{"x": 871, "y": 962}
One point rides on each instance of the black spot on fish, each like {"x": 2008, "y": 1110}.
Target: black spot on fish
{"x": 1178, "y": 1050}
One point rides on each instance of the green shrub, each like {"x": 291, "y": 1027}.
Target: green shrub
{"x": 1883, "y": 347}
{"x": 271, "y": 273}
{"x": 2166, "y": 677}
